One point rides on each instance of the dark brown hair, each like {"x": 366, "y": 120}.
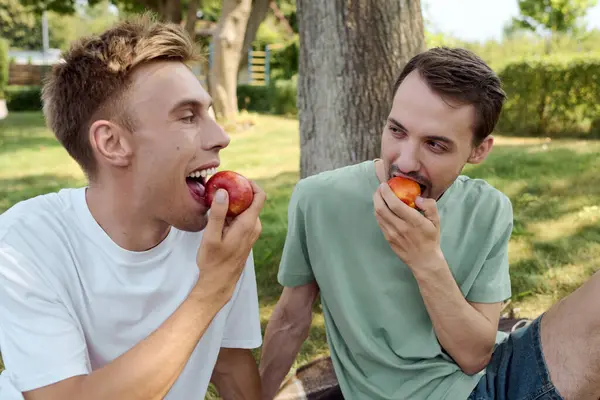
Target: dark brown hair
{"x": 460, "y": 75}
{"x": 92, "y": 81}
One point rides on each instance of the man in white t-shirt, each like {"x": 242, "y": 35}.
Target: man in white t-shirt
{"x": 127, "y": 288}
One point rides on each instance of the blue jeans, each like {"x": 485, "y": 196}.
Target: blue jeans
{"x": 517, "y": 370}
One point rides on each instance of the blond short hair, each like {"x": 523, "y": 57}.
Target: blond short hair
{"x": 92, "y": 81}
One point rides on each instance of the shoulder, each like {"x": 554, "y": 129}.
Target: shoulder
{"x": 481, "y": 202}
{"x": 36, "y": 220}
{"x": 477, "y": 191}
{"x": 329, "y": 184}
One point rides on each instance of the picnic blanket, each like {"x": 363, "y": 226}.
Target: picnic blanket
{"x": 316, "y": 380}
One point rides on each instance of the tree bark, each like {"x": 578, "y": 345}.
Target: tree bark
{"x": 351, "y": 53}
{"x": 190, "y": 19}
{"x": 281, "y": 17}
{"x": 257, "y": 16}
{"x": 228, "y": 40}
{"x": 173, "y": 11}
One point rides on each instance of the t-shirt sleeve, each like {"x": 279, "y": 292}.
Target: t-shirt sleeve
{"x": 242, "y": 328}
{"x": 39, "y": 339}
{"x": 295, "y": 268}
{"x": 492, "y": 284}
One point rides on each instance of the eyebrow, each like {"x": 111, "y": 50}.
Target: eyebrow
{"x": 438, "y": 138}
{"x": 190, "y": 103}
{"x": 398, "y": 124}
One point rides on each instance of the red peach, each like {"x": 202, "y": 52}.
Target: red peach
{"x": 405, "y": 189}
{"x": 238, "y": 188}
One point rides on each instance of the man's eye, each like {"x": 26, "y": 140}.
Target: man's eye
{"x": 396, "y": 130}
{"x": 188, "y": 119}
{"x": 437, "y": 147}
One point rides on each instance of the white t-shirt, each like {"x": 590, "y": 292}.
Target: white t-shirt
{"x": 71, "y": 300}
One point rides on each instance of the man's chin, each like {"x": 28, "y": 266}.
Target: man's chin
{"x": 192, "y": 224}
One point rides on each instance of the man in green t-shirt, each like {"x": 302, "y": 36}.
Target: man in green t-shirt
{"x": 412, "y": 297}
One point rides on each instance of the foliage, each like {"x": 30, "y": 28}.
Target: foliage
{"x": 278, "y": 98}
{"x": 288, "y": 9}
{"x": 211, "y": 10}
{"x": 24, "y": 98}
{"x": 554, "y": 188}
{"x": 4, "y": 61}
{"x": 20, "y": 26}
{"x": 285, "y": 61}
{"x": 87, "y": 20}
{"x": 69, "y": 7}
{"x": 552, "y": 15}
{"x": 551, "y": 95}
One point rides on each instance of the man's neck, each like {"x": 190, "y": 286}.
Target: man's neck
{"x": 124, "y": 220}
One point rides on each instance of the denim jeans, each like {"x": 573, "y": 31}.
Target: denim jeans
{"x": 517, "y": 370}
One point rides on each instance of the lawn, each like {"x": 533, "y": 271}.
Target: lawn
{"x": 554, "y": 187}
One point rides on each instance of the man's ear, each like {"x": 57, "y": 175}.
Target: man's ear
{"x": 480, "y": 152}
{"x": 111, "y": 143}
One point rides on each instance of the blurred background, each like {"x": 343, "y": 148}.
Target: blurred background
{"x": 306, "y": 86}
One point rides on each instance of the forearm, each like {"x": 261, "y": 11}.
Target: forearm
{"x": 149, "y": 369}
{"x": 465, "y": 333}
{"x": 282, "y": 342}
{"x": 236, "y": 375}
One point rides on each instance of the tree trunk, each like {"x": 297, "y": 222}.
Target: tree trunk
{"x": 281, "y": 17}
{"x": 190, "y": 19}
{"x": 351, "y": 53}
{"x": 173, "y": 11}
{"x": 257, "y": 16}
{"x": 228, "y": 41}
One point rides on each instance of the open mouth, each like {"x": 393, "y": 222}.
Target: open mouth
{"x": 196, "y": 182}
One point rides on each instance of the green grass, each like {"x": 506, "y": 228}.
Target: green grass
{"x": 554, "y": 187}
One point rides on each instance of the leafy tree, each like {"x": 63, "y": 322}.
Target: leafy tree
{"x": 552, "y": 15}
{"x": 550, "y": 18}
{"x": 21, "y": 28}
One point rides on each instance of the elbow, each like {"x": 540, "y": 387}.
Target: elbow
{"x": 475, "y": 362}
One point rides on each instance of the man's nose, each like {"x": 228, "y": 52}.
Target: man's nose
{"x": 214, "y": 136}
{"x": 409, "y": 160}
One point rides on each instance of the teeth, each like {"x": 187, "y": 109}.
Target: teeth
{"x": 203, "y": 173}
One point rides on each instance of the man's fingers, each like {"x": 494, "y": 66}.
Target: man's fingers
{"x": 386, "y": 218}
{"x": 217, "y": 215}
{"x": 382, "y": 210}
{"x": 429, "y": 208}
{"x": 398, "y": 207}
{"x": 247, "y": 221}
{"x": 258, "y": 202}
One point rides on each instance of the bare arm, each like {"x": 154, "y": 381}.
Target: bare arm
{"x": 467, "y": 331}
{"x": 236, "y": 375}
{"x": 149, "y": 369}
{"x": 287, "y": 329}
{"x": 162, "y": 356}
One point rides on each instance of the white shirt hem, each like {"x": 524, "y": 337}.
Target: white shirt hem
{"x": 242, "y": 344}
{"x": 57, "y": 375}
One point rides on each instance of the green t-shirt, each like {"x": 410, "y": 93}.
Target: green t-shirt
{"x": 381, "y": 338}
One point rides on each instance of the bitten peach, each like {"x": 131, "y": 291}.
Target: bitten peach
{"x": 238, "y": 188}
{"x": 405, "y": 189}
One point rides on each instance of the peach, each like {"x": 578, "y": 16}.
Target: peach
{"x": 405, "y": 189}
{"x": 238, "y": 188}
